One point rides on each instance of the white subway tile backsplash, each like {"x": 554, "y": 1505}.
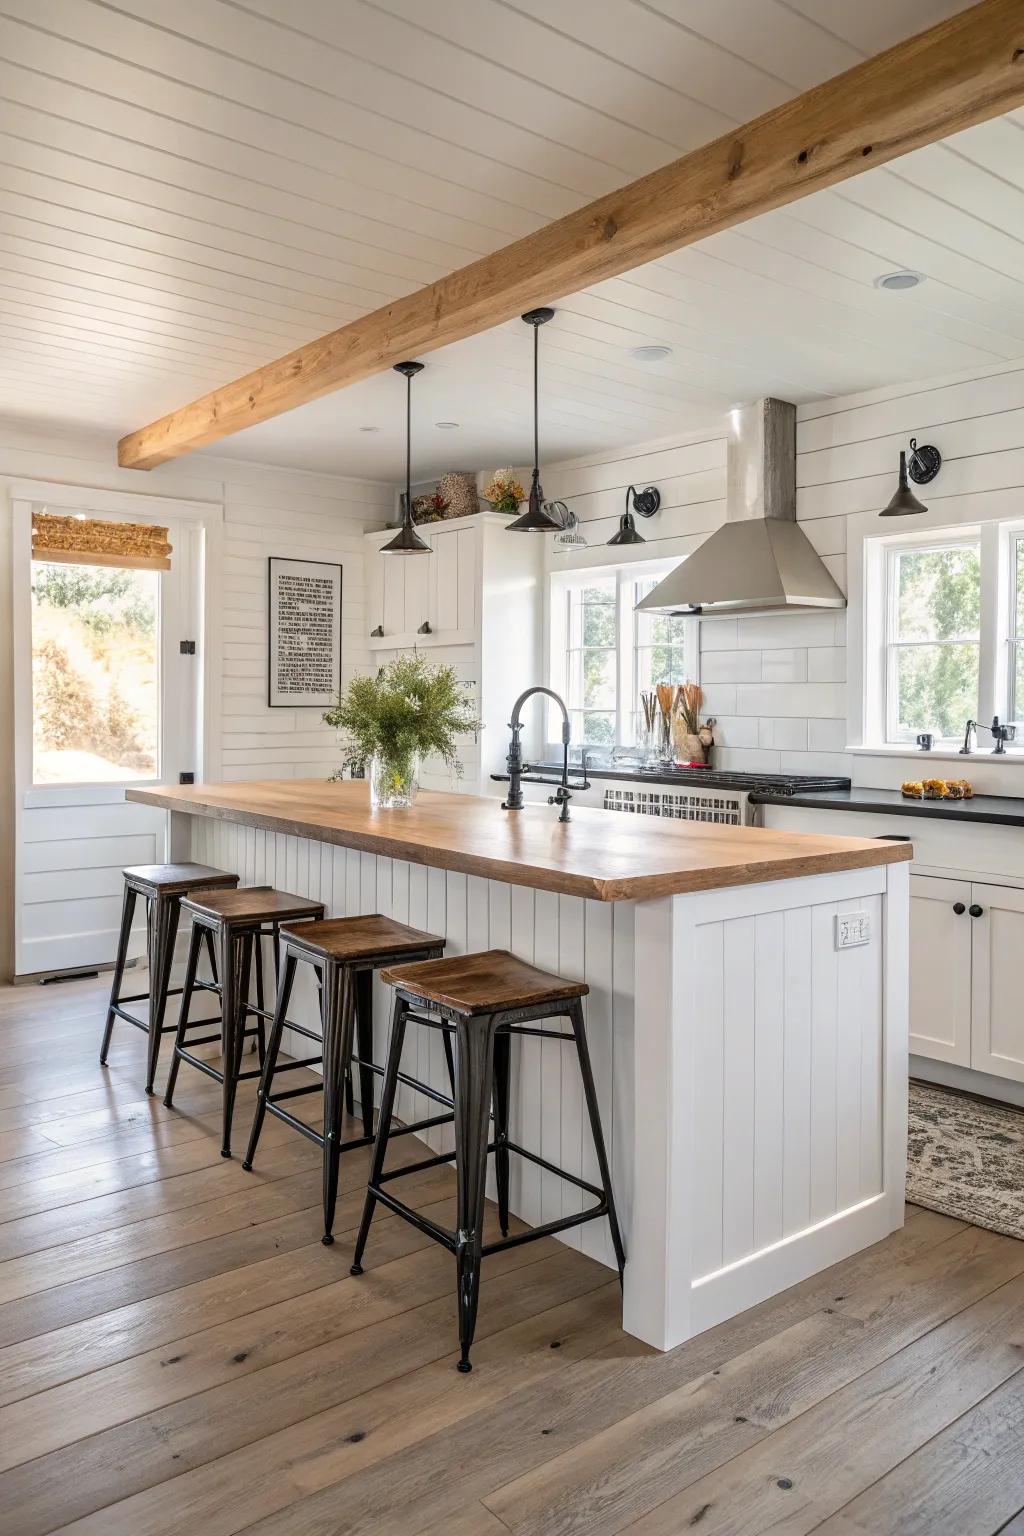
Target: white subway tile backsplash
{"x": 826, "y": 664}
{"x": 826, "y": 735}
{"x": 789, "y": 629}
{"x": 720, "y": 699}
{"x": 730, "y": 667}
{"x": 791, "y": 699}
{"x": 743, "y": 761}
{"x": 718, "y": 635}
{"x": 832, "y": 763}
{"x": 738, "y": 731}
{"x": 782, "y": 735}
{"x": 784, "y": 666}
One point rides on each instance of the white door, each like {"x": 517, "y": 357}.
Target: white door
{"x": 997, "y": 927}
{"x": 940, "y": 969}
{"x": 106, "y": 695}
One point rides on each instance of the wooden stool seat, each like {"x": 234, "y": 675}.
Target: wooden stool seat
{"x": 249, "y": 905}
{"x": 482, "y": 1000}
{"x": 344, "y": 952}
{"x": 176, "y": 879}
{"x": 489, "y": 982}
{"x": 234, "y": 922}
{"x": 161, "y": 887}
{"x": 349, "y": 940}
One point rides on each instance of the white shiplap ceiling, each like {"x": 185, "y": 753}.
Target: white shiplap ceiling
{"x": 188, "y": 190}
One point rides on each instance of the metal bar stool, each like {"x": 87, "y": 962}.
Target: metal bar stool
{"x": 236, "y": 922}
{"x": 344, "y": 952}
{"x": 484, "y": 999}
{"x": 161, "y": 887}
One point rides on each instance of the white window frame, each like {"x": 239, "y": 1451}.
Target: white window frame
{"x": 869, "y": 617}
{"x": 626, "y": 576}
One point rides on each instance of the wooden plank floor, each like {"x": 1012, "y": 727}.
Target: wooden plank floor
{"x": 178, "y": 1352}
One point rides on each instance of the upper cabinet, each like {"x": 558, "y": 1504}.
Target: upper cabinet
{"x": 441, "y": 589}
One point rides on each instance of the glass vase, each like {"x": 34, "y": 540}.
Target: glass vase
{"x": 393, "y": 782}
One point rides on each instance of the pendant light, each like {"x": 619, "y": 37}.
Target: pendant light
{"x": 904, "y": 503}
{"x": 536, "y": 518}
{"x": 407, "y": 541}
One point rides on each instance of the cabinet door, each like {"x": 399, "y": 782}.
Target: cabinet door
{"x": 417, "y": 570}
{"x": 940, "y": 969}
{"x": 393, "y": 577}
{"x": 997, "y": 1030}
{"x": 375, "y": 563}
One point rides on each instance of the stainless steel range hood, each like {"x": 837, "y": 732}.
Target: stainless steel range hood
{"x": 760, "y": 561}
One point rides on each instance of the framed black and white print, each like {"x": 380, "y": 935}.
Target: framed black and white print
{"x": 305, "y": 634}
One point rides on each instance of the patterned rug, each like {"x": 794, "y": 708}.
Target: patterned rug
{"x": 966, "y": 1158}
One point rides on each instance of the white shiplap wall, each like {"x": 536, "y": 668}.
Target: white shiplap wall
{"x": 778, "y": 685}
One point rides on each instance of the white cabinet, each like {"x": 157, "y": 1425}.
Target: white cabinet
{"x": 966, "y": 944}
{"x": 940, "y": 969}
{"x": 408, "y": 591}
{"x": 997, "y": 1019}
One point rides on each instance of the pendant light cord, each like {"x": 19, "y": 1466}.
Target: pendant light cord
{"x": 536, "y": 434}
{"x": 408, "y": 449}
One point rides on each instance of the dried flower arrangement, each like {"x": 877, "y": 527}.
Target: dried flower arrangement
{"x": 504, "y": 491}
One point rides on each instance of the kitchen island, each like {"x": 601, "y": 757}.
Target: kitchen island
{"x": 747, "y": 1014}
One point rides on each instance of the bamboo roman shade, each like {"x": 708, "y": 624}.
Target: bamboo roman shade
{"x": 91, "y": 541}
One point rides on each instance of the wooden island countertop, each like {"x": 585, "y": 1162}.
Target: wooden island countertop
{"x": 598, "y": 854}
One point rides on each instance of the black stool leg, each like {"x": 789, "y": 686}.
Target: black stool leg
{"x": 191, "y": 966}
{"x": 575, "y": 1011}
{"x": 446, "y": 1036}
{"x": 261, "y": 1029}
{"x": 364, "y": 1046}
{"x": 473, "y": 1078}
{"x": 502, "y": 1075}
{"x": 211, "y": 951}
{"x": 123, "y": 937}
{"x": 284, "y": 993}
{"x": 338, "y": 1009}
{"x": 380, "y": 1146}
{"x": 163, "y": 933}
{"x": 233, "y": 972}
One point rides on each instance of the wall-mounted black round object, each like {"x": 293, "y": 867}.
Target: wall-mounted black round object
{"x": 923, "y": 463}
{"x": 645, "y": 502}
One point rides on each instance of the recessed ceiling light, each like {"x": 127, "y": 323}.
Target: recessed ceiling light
{"x": 446, "y": 426}
{"x": 895, "y": 282}
{"x": 369, "y": 429}
{"x": 652, "y": 354}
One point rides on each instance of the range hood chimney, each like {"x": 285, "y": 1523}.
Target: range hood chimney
{"x": 760, "y": 561}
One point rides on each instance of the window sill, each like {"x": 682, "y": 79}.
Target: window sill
{"x": 1014, "y": 755}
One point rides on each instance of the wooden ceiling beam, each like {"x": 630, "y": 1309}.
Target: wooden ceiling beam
{"x": 963, "y": 71}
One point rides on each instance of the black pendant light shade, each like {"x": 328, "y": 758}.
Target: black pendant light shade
{"x": 407, "y": 541}
{"x": 904, "y": 503}
{"x": 535, "y": 519}
{"x": 646, "y": 503}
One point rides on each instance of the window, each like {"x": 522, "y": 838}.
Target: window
{"x": 95, "y": 674}
{"x": 603, "y": 653}
{"x": 1015, "y": 666}
{"x": 934, "y": 635}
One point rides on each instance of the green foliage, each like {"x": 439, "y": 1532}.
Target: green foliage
{"x": 70, "y": 716}
{"x": 938, "y": 599}
{"x": 409, "y": 709}
{"x": 103, "y": 599}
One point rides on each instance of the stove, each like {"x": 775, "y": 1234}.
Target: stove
{"x": 749, "y": 783}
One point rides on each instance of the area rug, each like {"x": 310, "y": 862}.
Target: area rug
{"x": 965, "y": 1158}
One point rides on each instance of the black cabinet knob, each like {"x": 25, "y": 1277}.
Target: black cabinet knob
{"x": 975, "y": 910}
{"x": 959, "y": 908}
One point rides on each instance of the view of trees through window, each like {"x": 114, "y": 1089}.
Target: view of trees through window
{"x": 934, "y": 645}
{"x": 95, "y": 673}
{"x": 592, "y": 652}
{"x": 660, "y": 649}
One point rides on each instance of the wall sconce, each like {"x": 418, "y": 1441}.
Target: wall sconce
{"x": 645, "y": 504}
{"x": 922, "y": 465}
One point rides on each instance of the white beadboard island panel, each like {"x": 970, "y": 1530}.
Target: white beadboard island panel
{"x": 752, "y": 1079}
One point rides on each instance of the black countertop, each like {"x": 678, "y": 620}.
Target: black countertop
{"x": 1003, "y": 810}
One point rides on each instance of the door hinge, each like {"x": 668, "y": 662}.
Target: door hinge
{"x": 187, "y": 647}
{"x": 186, "y": 778}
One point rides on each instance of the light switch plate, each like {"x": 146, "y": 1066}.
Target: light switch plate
{"x": 852, "y": 928}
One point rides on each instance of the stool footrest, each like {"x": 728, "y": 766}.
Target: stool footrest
{"x": 570, "y": 1178}
{"x": 421, "y": 1125}
{"x": 548, "y": 1229}
{"x": 293, "y": 1066}
{"x": 294, "y": 1093}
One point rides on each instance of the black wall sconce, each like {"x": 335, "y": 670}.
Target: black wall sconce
{"x": 921, "y": 465}
{"x": 645, "y": 504}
